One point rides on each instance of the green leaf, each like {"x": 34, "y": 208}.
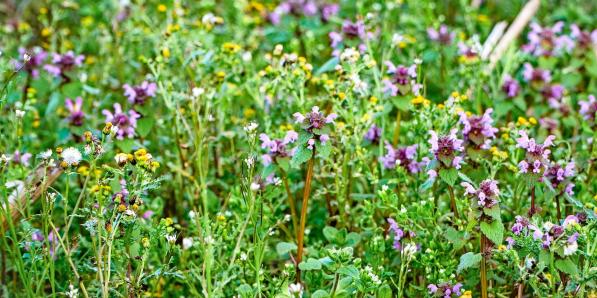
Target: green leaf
{"x": 449, "y": 175}
{"x": 310, "y": 264}
{"x": 328, "y": 66}
{"x": 352, "y": 239}
{"x": 567, "y": 266}
{"x": 283, "y": 248}
{"x": 320, "y": 294}
{"x": 126, "y": 145}
{"x": 144, "y": 126}
{"x": 469, "y": 260}
{"x": 268, "y": 170}
{"x": 330, "y": 233}
{"x": 494, "y": 231}
{"x": 302, "y": 155}
{"x": 324, "y": 150}
{"x": 494, "y": 211}
{"x": 384, "y": 291}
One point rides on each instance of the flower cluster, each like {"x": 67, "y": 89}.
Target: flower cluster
{"x": 446, "y": 150}
{"x": 126, "y": 123}
{"x": 445, "y": 290}
{"x": 140, "y": 93}
{"x": 478, "y": 131}
{"x": 31, "y": 60}
{"x": 537, "y": 155}
{"x": 403, "y": 80}
{"x": 398, "y": 234}
{"x": 314, "y": 122}
{"x": 551, "y": 235}
{"x": 404, "y": 157}
{"x": 511, "y": 87}
{"x": 373, "y": 134}
{"x": 588, "y": 108}
{"x": 75, "y": 110}
{"x": 442, "y": 36}
{"x": 63, "y": 63}
{"x": 487, "y": 193}
{"x": 303, "y": 7}
{"x": 547, "y": 41}
{"x": 276, "y": 148}
{"x": 559, "y": 177}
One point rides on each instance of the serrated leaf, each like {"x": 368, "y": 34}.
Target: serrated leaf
{"x": 494, "y": 231}
{"x": 283, "y": 248}
{"x": 567, "y": 266}
{"x": 469, "y": 260}
{"x": 449, "y": 175}
{"x": 494, "y": 211}
{"x": 301, "y": 155}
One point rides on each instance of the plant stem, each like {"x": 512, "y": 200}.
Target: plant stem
{"x": 558, "y": 212}
{"x": 453, "y": 201}
{"x": 335, "y": 286}
{"x": 483, "y": 267}
{"x": 301, "y": 234}
{"x": 533, "y": 209}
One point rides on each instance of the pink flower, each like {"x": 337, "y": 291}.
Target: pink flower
{"x": 126, "y": 123}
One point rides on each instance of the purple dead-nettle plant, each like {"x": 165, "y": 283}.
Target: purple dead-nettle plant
{"x": 276, "y": 148}
{"x": 126, "y": 122}
{"x": 31, "y": 60}
{"x": 446, "y": 150}
{"x": 487, "y": 193}
{"x": 511, "y": 87}
{"x": 584, "y": 39}
{"x": 478, "y": 131}
{"x": 141, "y": 93}
{"x": 558, "y": 176}
{"x": 373, "y": 134}
{"x": 398, "y": 234}
{"x": 588, "y": 109}
{"x": 536, "y": 76}
{"x": 350, "y": 31}
{"x": 537, "y": 155}
{"x": 553, "y": 94}
{"x": 314, "y": 123}
{"x": 547, "y": 41}
{"x": 442, "y": 36}
{"x": 75, "y": 110}
{"x": 445, "y": 290}
{"x": 63, "y": 63}
{"x": 469, "y": 53}
{"x": 404, "y": 157}
{"x": 307, "y": 8}
{"x": 402, "y": 81}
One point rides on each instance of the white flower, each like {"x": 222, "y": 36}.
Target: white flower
{"x": 26, "y": 57}
{"x": 243, "y": 256}
{"x": 187, "y": 242}
{"x": 255, "y": 186}
{"x": 350, "y": 55}
{"x": 294, "y": 289}
{"x": 198, "y": 91}
{"x": 251, "y": 127}
{"x": 192, "y": 214}
{"x": 250, "y": 161}
{"x": 72, "y": 292}
{"x": 287, "y": 217}
{"x": 20, "y": 113}
{"x": 19, "y": 189}
{"x": 570, "y": 248}
{"x": 171, "y": 238}
{"x": 4, "y": 159}
{"x": 278, "y": 49}
{"x": 247, "y": 57}
{"x": 46, "y": 154}
{"x": 114, "y": 129}
{"x": 121, "y": 158}
{"x": 208, "y": 240}
{"x": 384, "y": 188}
{"x": 409, "y": 250}
{"x": 71, "y": 156}
{"x": 130, "y": 212}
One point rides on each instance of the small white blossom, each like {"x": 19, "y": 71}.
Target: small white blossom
{"x": 255, "y": 186}
{"x": 208, "y": 240}
{"x": 71, "y": 156}
{"x": 295, "y": 289}
{"x": 72, "y": 292}
{"x": 243, "y": 256}
{"x": 187, "y": 242}
{"x": 251, "y": 127}
{"x": 198, "y": 91}
{"x": 46, "y": 154}
{"x": 20, "y": 113}
{"x": 171, "y": 238}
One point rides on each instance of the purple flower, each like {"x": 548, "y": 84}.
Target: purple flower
{"x": 553, "y": 95}
{"x": 443, "y": 36}
{"x": 21, "y": 158}
{"x": 486, "y": 194}
{"x": 373, "y": 134}
{"x": 536, "y": 76}
{"x": 588, "y": 108}
{"x": 520, "y": 225}
{"x": 584, "y": 39}
{"x": 402, "y": 81}
{"x": 445, "y": 290}
{"x": 354, "y": 30}
{"x": 398, "y": 234}
{"x": 63, "y": 63}
{"x": 445, "y": 148}
{"x": 140, "y": 93}
{"x": 328, "y": 11}
{"x": 547, "y": 41}
{"x": 468, "y": 53}
{"x": 36, "y": 58}
{"x": 511, "y": 87}
{"x": 335, "y": 39}
{"x": 537, "y": 155}
{"x": 314, "y": 120}
{"x": 478, "y": 130}
{"x": 510, "y": 242}
{"x": 559, "y": 176}
{"x": 126, "y": 123}
{"x": 276, "y": 148}
{"x": 404, "y": 157}
{"x": 75, "y": 110}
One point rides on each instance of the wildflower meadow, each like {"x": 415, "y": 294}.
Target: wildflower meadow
{"x": 298, "y": 148}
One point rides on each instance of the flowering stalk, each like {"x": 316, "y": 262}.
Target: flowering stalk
{"x": 453, "y": 202}
{"x": 483, "y": 265}
{"x": 301, "y": 235}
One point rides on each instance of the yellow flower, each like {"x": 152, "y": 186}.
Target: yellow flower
{"x": 83, "y": 170}
{"x": 467, "y": 294}
{"x": 483, "y": 18}
{"x": 533, "y": 121}
{"x": 373, "y": 99}
{"x": 87, "y": 21}
{"x": 501, "y": 247}
{"x": 221, "y": 217}
{"x": 162, "y": 8}
{"x": 230, "y": 47}
{"x": 45, "y": 32}
{"x": 418, "y": 100}
{"x": 43, "y": 10}
{"x": 341, "y": 95}
{"x": 249, "y": 113}
{"x": 522, "y": 121}
{"x": 166, "y": 52}
{"x": 440, "y": 106}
